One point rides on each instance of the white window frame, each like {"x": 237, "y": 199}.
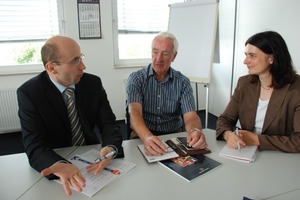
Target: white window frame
{"x": 34, "y": 68}
{"x": 121, "y": 63}
{"x": 124, "y": 62}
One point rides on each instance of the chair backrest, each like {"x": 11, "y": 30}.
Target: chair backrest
{"x": 129, "y": 129}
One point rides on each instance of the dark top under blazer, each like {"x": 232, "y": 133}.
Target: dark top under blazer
{"x": 45, "y": 123}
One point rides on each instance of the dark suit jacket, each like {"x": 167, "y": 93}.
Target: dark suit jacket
{"x": 45, "y": 123}
{"x": 281, "y": 128}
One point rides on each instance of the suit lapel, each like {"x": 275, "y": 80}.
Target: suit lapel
{"x": 252, "y": 97}
{"x": 55, "y": 98}
{"x": 276, "y": 100}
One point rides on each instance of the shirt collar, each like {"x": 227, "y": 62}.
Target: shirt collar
{"x": 169, "y": 75}
{"x": 60, "y": 87}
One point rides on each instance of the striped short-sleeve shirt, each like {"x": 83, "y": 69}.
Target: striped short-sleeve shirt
{"x": 163, "y": 102}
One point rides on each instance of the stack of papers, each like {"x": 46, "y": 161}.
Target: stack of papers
{"x": 246, "y": 154}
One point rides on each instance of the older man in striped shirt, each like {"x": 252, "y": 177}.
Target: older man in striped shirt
{"x": 160, "y": 100}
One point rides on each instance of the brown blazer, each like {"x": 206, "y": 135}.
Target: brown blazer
{"x": 281, "y": 128}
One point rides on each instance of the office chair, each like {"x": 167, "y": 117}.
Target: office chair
{"x": 128, "y": 127}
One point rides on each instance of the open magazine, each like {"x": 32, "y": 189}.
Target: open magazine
{"x": 179, "y": 145}
{"x": 183, "y": 160}
{"x": 176, "y": 147}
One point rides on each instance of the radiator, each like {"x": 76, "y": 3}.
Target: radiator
{"x": 9, "y": 119}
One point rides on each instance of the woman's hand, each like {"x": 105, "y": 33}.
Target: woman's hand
{"x": 232, "y": 139}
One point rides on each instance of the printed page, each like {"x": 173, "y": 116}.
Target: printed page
{"x": 115, "y": 169}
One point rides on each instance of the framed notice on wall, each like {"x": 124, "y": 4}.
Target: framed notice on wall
{"x": 89, "y": 19}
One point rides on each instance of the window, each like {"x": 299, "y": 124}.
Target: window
{"x": 136, "y": 22}
{"x": 25, "y": 25}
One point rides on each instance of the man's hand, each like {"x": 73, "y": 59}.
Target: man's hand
{"x": 154, "y": 146}
{"x": 196, "y": 139}
{"x": 69, "y": 175}
{"x": 98, "y": 167}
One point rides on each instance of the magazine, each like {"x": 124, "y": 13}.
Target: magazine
{"x": 176, "y": 147}
{"x": 191, "y": 166}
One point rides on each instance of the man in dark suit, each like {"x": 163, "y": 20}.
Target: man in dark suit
{"x": 44, "y": 115}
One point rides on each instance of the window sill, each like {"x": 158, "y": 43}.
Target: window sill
{"x": 132, "y": 63}
{"x": 21, "y": 69}
{"x": 130, "y": 66}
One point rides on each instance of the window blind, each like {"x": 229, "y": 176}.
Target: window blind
{"x": 28, "y": 19}
{"x": 143, "y": 16}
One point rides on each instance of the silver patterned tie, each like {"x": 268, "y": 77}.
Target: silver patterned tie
{"x": 77, "y": 133}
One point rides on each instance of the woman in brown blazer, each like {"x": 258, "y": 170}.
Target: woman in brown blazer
{"x": 267, "y": 101}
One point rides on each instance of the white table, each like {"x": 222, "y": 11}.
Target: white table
{"x": 272, "y": 175}
{"x": 290, "y": 195}
{"x": 17, "y": 176}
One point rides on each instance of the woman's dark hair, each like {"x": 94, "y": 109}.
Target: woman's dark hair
{"x": 282, "y": 69}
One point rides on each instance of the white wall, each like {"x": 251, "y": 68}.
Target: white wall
{"x": 257, "y": 16}
{"x": 99, "y": 55}
{"x": 99, "y": 59}
{"x": 253, "y": 16}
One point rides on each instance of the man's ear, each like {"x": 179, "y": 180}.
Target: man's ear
{"x": 174, "y": 57}
{"x": 50, "y": 67}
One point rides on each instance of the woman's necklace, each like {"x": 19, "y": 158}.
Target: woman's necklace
{"x": 268, "y": 88}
